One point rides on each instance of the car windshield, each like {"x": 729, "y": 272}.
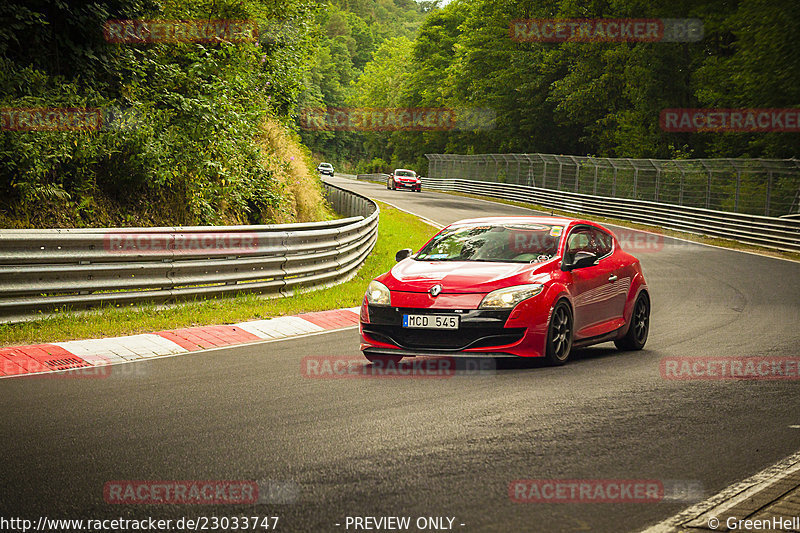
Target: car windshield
{"x": 507, "y": 243}
{"x": 404, "y": 173}
{"x": 326, "y": 165}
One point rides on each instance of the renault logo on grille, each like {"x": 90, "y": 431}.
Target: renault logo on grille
{"x": 435, "y": 290}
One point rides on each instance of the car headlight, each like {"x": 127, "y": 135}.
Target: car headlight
{"x": 378, "y": 293}
{"x": 510, "y": 296}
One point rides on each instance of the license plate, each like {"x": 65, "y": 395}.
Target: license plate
{"x": 430, "y": 321}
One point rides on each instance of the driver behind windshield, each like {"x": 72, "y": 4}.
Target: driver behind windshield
{"x": 514, "y": 243}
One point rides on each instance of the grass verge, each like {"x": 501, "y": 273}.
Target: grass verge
{"x": 396, "y": 230}
{"x": 694, "y": 237}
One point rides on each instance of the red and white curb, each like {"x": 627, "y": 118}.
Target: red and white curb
{"x": 61, "y": 356}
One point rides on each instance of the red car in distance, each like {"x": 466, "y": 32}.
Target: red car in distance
{"x": 507, "y": 286}
{"x": 404, "y": 179}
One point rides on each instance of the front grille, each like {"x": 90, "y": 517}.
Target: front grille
{"x": 478, "y": 329}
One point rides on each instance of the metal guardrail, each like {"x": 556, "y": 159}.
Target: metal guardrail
{"x": 372, "y": 177}
{"x": 769, "y": 187}
{"x": 46, "y": 269}
{"x": 771, "y": 232}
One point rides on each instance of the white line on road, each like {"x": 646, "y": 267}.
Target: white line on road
{"x": 698, "y": 514}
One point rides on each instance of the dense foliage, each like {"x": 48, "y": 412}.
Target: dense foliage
{"x": 357, "y": 39}
{"x": 194, "y": 133}
{"x": 189, "y": 128}
{"x": 579, "y": 98}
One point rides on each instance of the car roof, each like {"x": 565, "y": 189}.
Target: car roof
{"x": 561, "y": 221}
{"x": 325, "y": 164}
{"x": 403, "y": 170}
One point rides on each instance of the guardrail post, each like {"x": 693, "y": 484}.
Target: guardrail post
{"x": 769, "y": 193}
{"x": 558, "y": 183}
{"x": 544, "y": 175}
{"x": 795, "y": 202}
{"x": 658, "y": 176}
{"x": 614, "y": 184}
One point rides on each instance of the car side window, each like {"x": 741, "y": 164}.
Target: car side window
{"x": 605, "y": 243}
{"x": 580, "y": 240}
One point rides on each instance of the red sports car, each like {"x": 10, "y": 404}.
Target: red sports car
{"x": 404, "y": 179}
{"x": 508, "y": 286}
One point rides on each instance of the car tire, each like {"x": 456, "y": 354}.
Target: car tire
{"x": 388, "y": 187}
{"x": 559, "y": 334}
{"x": 639, "y": 328}
{"x": 383, "y": 359}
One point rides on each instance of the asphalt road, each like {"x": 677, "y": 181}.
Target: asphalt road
{"x": 427, "y": 447}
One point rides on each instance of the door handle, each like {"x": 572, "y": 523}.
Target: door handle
{"x": 612, "y": 277}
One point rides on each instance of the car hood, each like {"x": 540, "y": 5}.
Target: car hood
{"x": 405, "y": 178}
{"x": 456, "y": 277}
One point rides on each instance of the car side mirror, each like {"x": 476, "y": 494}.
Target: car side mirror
{"x": 581, "y": 260}
{"x": 402, "y": 254}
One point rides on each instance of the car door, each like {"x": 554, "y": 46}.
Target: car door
{"x": 593, "y": 292}
{"x": 618, "y": 277}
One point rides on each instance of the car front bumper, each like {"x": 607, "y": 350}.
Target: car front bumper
{"x": 488, "y": 333}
